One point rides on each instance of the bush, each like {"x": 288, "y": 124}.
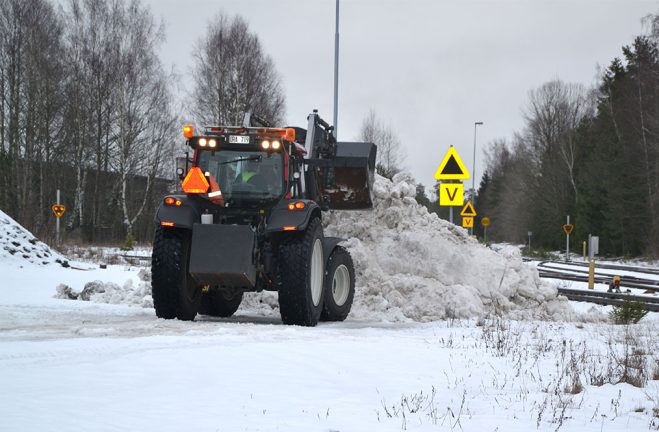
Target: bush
{"x": 129, "y": 244}
{"x": 629, "y": 312}
{"x": 538, "y": 253}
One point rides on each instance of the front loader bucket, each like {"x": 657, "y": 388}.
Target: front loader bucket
{"x": 348, "y": 182}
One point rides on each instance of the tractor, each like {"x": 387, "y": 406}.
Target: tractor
{"x": 249, "y": 218}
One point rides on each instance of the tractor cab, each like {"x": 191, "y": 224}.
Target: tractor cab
{"x": 245, "y": 176}
{"x": 245, "y": 166}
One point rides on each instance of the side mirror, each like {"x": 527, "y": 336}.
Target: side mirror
{"x": 181, "y": 166}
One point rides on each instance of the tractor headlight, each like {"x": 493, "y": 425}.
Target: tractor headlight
{"x": 265, "y": 144}
{"x": 202, "y": 142}
{"x": 212, "y": 143}
{"x": 276, "y": 145}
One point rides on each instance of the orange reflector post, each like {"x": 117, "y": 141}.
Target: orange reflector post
{"x": 290, "y": 228}
{"x": 169, "y": 224}
{"x": 290, "y": 134}
{"x": 195, "y": 182}
{"x": 188, "y": 131}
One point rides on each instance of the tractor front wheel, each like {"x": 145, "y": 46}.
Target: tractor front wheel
{"x": 175, "y": 293}
{"x": 301, "y": 271}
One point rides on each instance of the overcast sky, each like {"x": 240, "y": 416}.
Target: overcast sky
{"x": 429, "y": 69}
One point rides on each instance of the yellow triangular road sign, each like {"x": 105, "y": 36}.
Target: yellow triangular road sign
{"x": 468, "y": 210}
{"x": 451, "y": 167}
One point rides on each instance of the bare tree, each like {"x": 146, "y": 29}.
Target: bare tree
{"x": 233, "y": 75}
{"x": 554, "y": 113}
{"x": 30, "y": 74}
{"x": 145, "y": 123}
{"x": 389, "y": 157}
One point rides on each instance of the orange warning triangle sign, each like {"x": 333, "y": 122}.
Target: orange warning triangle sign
{"x": 451, "y": 167}
{"x": 468, "y": 210}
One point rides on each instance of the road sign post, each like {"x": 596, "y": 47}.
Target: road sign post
{"x": 451, "y": 193}
{"x": 567, "y": 229}
{"x": 57, "y": 220}
{"x": 468, "y": 213}
{"x": 486, "y": 223}
{"x": 59, "y": 211}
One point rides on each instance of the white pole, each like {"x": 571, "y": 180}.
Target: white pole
{"x": 57, "y": 221}
{"x": 450, "y": 214}
{"x": 336, "y": 72}
{"x": 567, "y": 244}
{"x": 473, "y": 174}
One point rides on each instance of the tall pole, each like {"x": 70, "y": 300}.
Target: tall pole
{"x": 473, "y": 173}
{"x": 57, "y": 221}
{"x": 567, "y": 243}
{"x": 336, "y": 72}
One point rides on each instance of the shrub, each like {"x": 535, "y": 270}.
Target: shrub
{"x": 129, "y": 244}
{"x": 629, "y": 312}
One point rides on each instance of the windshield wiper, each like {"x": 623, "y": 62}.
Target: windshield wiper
{"x": 250, "y": 158}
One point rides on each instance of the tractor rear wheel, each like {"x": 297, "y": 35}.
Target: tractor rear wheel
{"x": 175, "y": 293}
{"x": 339, "y": 286}
{"x": 301, "y": 271}
{"x": 220, "y": 303}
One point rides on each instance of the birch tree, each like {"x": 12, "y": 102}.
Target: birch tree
{"x": 390, "y": 157}
{"x": 145, "y": 123}
{"x": 233, "y": 75}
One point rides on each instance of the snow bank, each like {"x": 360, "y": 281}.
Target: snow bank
{"x": 19, "y": 245}
{"x": 109, "y": 292}
{"x": 412, "y": 265}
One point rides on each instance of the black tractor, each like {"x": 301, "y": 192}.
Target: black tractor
{"x": 249, "y": 219}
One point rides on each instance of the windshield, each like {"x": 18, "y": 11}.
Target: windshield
{"x": 245, "y": 175}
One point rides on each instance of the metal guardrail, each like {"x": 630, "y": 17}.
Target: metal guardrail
{"x": 579, "y": 275}
{"x": 606, "y": 298}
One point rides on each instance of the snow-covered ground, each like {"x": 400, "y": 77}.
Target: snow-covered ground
{"x": 431, "y": 344}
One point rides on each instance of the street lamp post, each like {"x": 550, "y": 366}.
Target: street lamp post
{"x": 336, "y": 72}
{"x": 473, "y": 172}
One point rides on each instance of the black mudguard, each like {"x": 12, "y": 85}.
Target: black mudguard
{"x": 183, "y": 216}
{"x": 223, "y": 255}
{"x": 329, "y": 244}
{"x": 282, "y": 217}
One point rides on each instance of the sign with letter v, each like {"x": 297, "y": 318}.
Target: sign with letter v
{"x": 451, "y": 194}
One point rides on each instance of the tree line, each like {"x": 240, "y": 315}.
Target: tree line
{"x": 87, "y": 107}
{"x": 592, "y": 153}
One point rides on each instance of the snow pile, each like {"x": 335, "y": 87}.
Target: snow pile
{"x": 409, "y": 264}
{"x": 109, "y": 292}
{"x": 18, "y": 244}
{"x": 412, "y": 265}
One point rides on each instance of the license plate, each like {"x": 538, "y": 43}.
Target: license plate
{"x": 238, "y": 139}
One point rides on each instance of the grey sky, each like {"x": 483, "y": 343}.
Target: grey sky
{"x": 430, "y": 69}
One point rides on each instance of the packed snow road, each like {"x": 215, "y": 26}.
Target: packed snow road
{"x": 72, "y": 365}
